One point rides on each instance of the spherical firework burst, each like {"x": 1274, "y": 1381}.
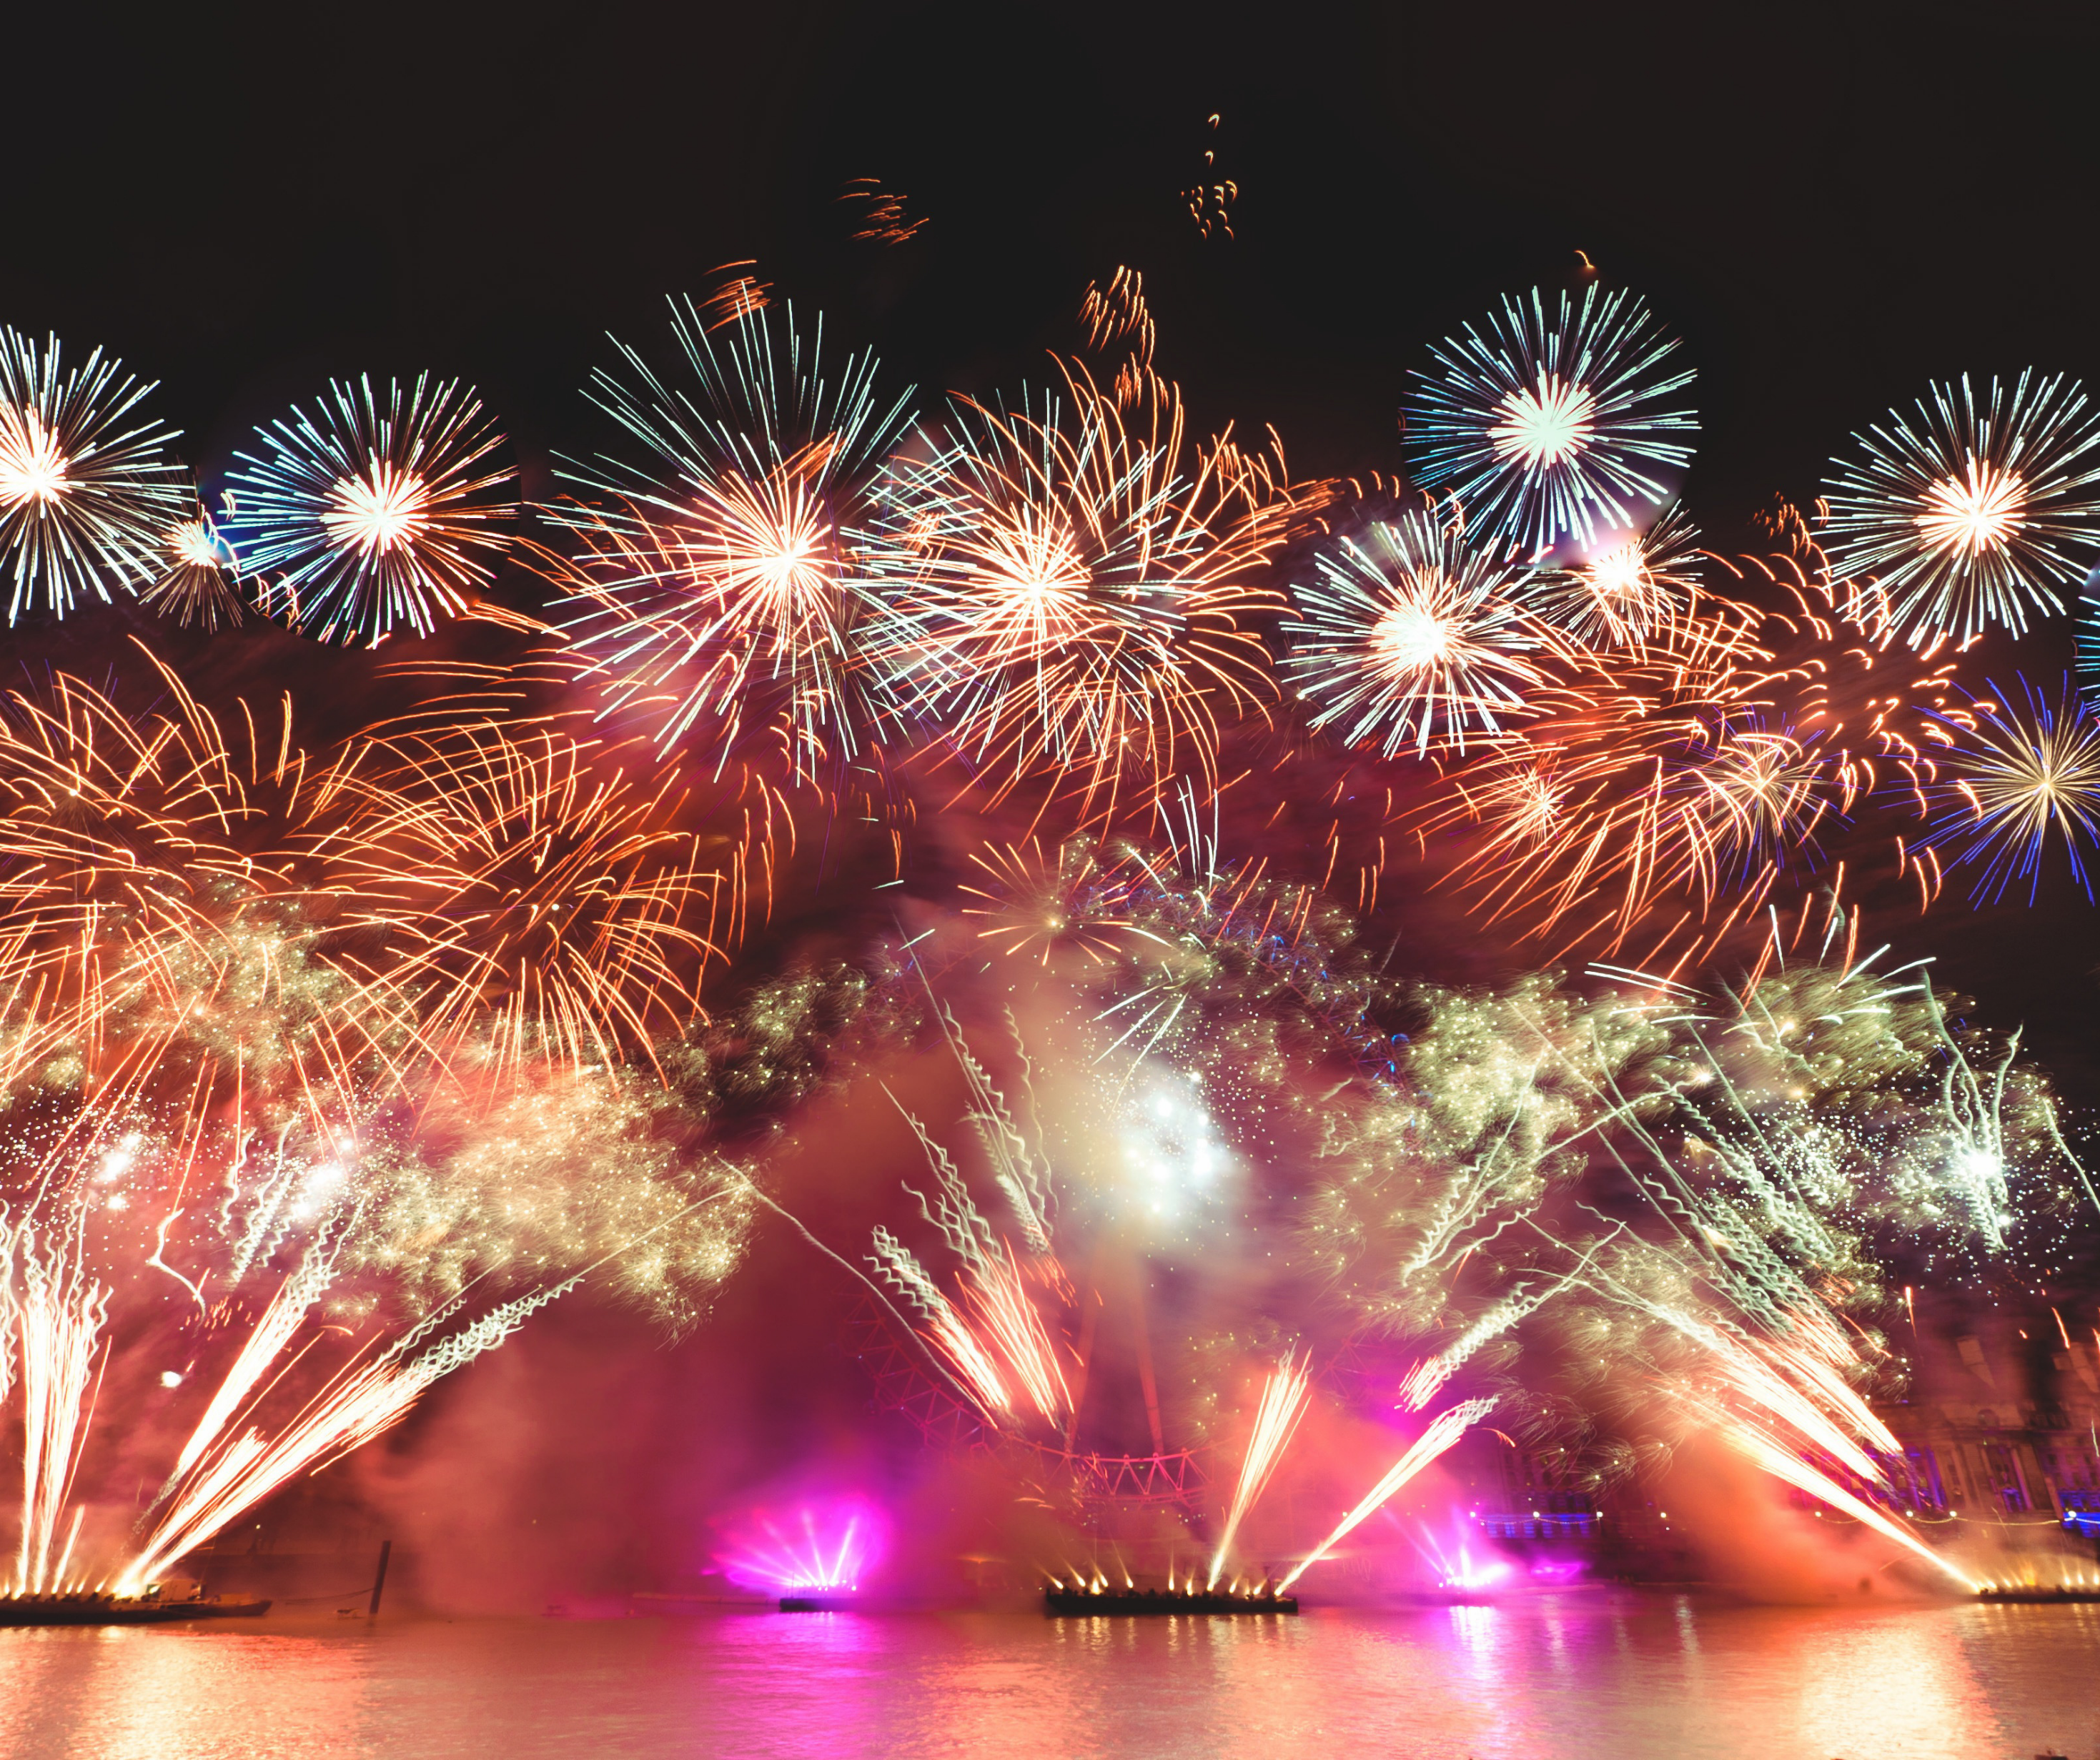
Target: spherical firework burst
{"x": 720, "y": 584}
{"x": 2022, "y": 776}
{"x": 1974, "y": 510}
{"x": 195, "y": 583}
{"x": 85, "y": 500}
{"x": 543, "y": 902}
{"x": 1063, "y": 591}
{"x": 1627, "y": 586}
{"x": 169, "y": 893}
{"x": 1553, "y": 432}
{"x": 373, "y": 513}
{"x": 1410, "y": 634}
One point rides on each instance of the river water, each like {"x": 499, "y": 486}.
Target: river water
{"x": 1585, "y": 1675}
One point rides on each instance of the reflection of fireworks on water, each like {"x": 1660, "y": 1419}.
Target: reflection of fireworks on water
{"x": 830, "y": 1545}
{"x": 1550, "y": 429}
{"x": 1975, "y": 510}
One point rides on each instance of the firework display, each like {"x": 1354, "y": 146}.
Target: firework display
{"x": 1093, "y": 817}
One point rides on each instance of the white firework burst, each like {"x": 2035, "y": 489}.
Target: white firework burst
{"x": 1973, "y": 510}
{"x": 720, "y": 581}
{"x": 1410, "y": 634}
{"x": 373, "y": 513}
{"x": 84, "y": 497}
{"x": 1553, "y": 432}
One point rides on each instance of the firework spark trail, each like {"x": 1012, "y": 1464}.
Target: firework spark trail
{"x": 287, "y": 1311}
{"x": 998, "y": 1298}
{"x": 1443, "y": 1430}
{"x": 1626, "y": 590}
{"x": 1546, "y": 429}
{"x": 946, "y": 1329}
{"x": 1658, "y": 797}
{"x": 373, "y": 512}
{"x": 194, "y": 581}
{"x": 83, "y": 500}
{"x": 542, "y": 898}
{"x": 1283, "y": 1396}
{"x": 2022, "y": 777}
{"x": 58, "y": 1313}
{"x": 1756, "y": 1446}
{"x": 168, "y": 882}
{"x": 361, "y": 1403}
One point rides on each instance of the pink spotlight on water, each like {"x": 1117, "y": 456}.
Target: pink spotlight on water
{"x": 825, "y": 1546}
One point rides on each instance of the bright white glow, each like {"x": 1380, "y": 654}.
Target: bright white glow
{"x": 1972, "y": 516}
{"x": 388, "y": 510}
{"x": 32, "y": 467}
{"x": 1411, "y": 638}
{"x": 1544, "y": 426}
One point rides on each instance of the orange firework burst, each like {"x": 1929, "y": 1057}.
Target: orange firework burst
{"x": 550, "y": 897}
{"x": 1663, "y": 795}
{"x": 1037, "y": 902}
{"x": 165, "y": 883}
{"x": 1067, "y": 588}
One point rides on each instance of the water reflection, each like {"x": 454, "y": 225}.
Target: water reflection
{"x": 1575, "y": 1676}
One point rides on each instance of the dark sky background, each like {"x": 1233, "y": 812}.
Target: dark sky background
{"x": 1831, "y": 205}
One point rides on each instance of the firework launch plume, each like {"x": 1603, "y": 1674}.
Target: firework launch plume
{"x": 1444, "y": 1429}
{"x": 1283, "y": 1399}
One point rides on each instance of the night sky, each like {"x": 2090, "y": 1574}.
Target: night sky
{"x": 1830, "y": 209}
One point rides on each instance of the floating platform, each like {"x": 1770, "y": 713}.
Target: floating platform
{"x": 820, "y": 1603}
{"x": 1137, "y": 1602}
{"x": 2029, "y": 1592}
{"x": 91, "y": 1609}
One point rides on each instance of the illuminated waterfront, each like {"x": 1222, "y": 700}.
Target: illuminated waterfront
{"x": 1572, "y": 1676}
